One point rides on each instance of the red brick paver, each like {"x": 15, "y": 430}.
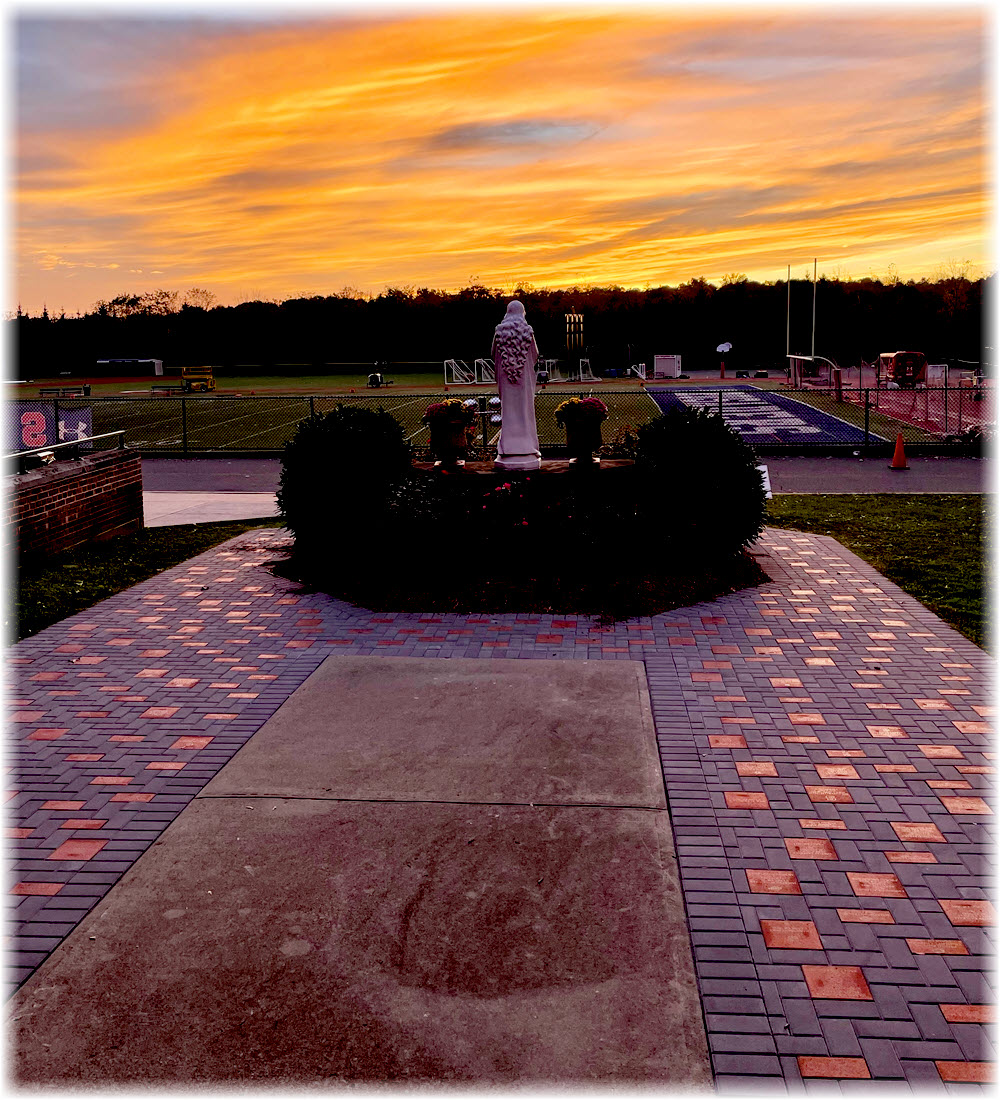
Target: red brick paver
{"x": 830, "y": 815}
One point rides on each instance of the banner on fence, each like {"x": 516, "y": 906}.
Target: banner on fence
{"x": 30, "y": 424}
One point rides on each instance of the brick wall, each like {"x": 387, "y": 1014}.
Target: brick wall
{"x": 69, "y": 503}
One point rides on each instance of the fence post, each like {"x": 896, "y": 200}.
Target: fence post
{"x": 720, "y": 401}
{"x": 959, "y": 406}
{"x": 484, "y": 419}
{"x": 55, "y": 419}
{"x": 946, "y": 402}
{"x": 312, "y": 406}
{"x": 184, "y": 424}
{"x": 867, "y": 413}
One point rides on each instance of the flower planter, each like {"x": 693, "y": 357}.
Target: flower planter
{"x": 582, "y": 419}
{"x": 449, "y": 442}
{"x": 583, "y": 438}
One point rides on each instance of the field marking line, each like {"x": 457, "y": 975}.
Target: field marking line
{"x": 273, "y": 427}
{"x": 244, "y": 416}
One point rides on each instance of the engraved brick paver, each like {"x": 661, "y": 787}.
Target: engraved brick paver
{"x": 827, "y": 752}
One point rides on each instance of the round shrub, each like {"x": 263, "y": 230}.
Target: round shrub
{"x": 700, "y": 491}
{"x": 339, "y": 475}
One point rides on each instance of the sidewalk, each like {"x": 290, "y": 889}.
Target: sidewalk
{"x": 825, "y": 746}
{"x": 223, "y": 482}
{"x": 173, "y": 508}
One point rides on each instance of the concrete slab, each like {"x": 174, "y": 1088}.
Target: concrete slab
{"x": 414, "y": 728}
{"x": 448, "y": 936}
{"x": 306, "y": 941}
{"x": 168, "y": 509}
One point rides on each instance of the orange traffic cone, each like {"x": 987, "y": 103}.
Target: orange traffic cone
{"x": 899, "y": 458}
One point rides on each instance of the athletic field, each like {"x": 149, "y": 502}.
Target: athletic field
{"x": 259, "y": 422}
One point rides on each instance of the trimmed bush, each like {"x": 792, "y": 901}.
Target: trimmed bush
{"x": 340, "y": 473}
{"x": 626, "y": 540}
{"x": 700, "y": 491}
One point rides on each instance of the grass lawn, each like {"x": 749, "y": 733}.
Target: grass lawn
{"x": 932, "y": 545}
{"x": 51, "y": 591}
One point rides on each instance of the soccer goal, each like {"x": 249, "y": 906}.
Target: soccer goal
{"x": 551, "y": 367}
{"x": 586, "y": 374}
{"x": 458, "y": 373}
{"x": 486, "y": 370}
{"x": 639, "y": 370}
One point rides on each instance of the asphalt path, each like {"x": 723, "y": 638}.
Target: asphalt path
{"x": 793, "y": 474}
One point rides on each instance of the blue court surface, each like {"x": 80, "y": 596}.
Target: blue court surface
{"x": 762, "y": 416}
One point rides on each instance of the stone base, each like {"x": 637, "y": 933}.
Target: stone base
{"x": 547, "y": 466}
{"x": 518, "y": 462}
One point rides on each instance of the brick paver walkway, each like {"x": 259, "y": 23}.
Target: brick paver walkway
{"x": 825, "y": 745}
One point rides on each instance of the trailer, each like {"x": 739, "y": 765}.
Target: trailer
{"x": 906, "y": 369}
{"x": 131, "y": 366}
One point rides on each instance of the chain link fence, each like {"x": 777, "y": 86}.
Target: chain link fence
{"x": 771, "y": 420}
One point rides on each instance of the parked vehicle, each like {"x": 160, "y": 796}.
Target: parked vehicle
{"x": 197, "y": 379}
{"x": 905, "y": 368}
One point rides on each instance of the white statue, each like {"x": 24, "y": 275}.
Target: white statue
{"x": 515, "y": 354}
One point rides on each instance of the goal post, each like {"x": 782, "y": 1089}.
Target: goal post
{"x": 458, "y": 373}
{"x": 485, "y": 370}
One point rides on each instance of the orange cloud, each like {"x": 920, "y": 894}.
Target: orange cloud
{"x": 556, "y": 148}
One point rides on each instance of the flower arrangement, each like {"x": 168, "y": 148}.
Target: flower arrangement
{"x": 577, "y": 410}
{"x": 450, "y": 411}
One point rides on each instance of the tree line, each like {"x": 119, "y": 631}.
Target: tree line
{"x": 855, "y": 321}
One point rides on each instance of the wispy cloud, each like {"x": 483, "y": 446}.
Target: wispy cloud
{"x": 627, "y": 147}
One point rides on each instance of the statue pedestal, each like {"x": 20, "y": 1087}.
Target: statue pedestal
{"x": 517, "y": 462}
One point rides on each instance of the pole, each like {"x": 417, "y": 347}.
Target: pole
{"x": 788, "y": 314}
{"x": 945, "y": 400}
{"x": 867, "y": 413}
{"x": 184, "y": 424}
{"x": 720, "y": 402}
{"x": 312, "y": 406}
{"x": 813, "y": 352}
{"x": 484, "y": 416}
{"x": 55, "y": 419}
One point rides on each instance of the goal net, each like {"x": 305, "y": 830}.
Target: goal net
{"x": 586, "y": 374}
{"x": 458, "y": 373}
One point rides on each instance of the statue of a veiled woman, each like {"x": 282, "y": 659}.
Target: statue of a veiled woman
{"x": 515, "y": 354}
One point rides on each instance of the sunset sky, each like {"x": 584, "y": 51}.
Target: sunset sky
{"x": 258, "y": 154}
